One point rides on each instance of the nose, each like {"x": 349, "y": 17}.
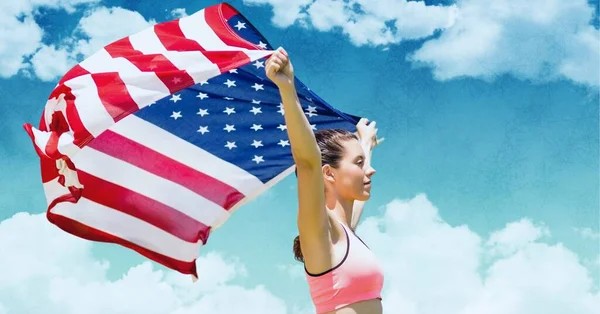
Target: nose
{"x": 370, "y": 171}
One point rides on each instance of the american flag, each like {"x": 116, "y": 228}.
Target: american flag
{"x": 155, "y": 140}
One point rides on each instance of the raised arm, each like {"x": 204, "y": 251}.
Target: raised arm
{"x": 368, "y": 140}
{"x": 312, "y": 218}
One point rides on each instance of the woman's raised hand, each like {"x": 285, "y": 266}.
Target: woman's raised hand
{"x": 279, "y": 69}
{"x": 368, "y": 133}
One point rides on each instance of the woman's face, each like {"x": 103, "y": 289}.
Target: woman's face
{"x": 353, "y": 176}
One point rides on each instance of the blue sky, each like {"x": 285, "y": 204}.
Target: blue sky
{"x": 490, "y": 164}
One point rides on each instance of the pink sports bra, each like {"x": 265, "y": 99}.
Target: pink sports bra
{"x": 358, "y": 277}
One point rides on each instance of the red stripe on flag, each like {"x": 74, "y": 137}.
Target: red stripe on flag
{"x": 86, "y": 232}
{"x": 228, "y": 11}
{"x": 171, "y": 36}
{"x": 42, "y": 126}
{"x": 120, "y": 147}
{"x": 143, "y": 208}
{"x": 76, "y": 71}
{"x": 214, "y": 19}
{"x": 173, "y": 78}
{"x": 80, "y": 134}
{"x": 52, "y": 146}
{"x": 114, "y": 95}
{"x": 173, "y": 39}
{"x": 28, "y": 128}
{"x": 227, "y": 60}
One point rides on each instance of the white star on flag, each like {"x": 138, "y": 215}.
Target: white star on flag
{"x": 230, "y": 145}
{"x": 203, "y": 129}
{"x": 284, "y": 143}
{"x": 229, "y": 128}
{"x": 258, "y": 159}
{"x": 255, "y": 110}
{"x": 176, "y": 115}
{"x": 257, "y": 86}
{"x": 240, "y": 25}
{"x": 229, "y": 83}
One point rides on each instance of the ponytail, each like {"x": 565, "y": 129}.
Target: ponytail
{"x": 297, "y": 250}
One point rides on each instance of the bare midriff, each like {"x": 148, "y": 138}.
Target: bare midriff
{"x": 364, "y": 307}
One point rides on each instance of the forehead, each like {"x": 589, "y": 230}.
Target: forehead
{"x": 352, "y": 148}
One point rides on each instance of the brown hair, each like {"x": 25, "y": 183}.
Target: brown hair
{"x": 330, "y": 142}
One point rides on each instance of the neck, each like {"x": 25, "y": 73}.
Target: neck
{"x": 342, "y": 208}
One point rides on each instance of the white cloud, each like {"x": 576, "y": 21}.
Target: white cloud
{"x": 98, "y": 27}
{"x": 178, "y": 13}
{"x": 21, "y": 42}
{"x": 540, "y": 40}
{"x": 433, "y": 267}
{"x": 23, "y": 39}
{"x": 285, "y": 12}
{"x": 293, "y": 271}
{"x": 364, "y": 21}
{"x": 430, "y": 267}
{"x": 537, "y": 40}
{"x": 43, "y": 267}
{"x": 50, "y": 62}
{"x": 103, "y": 25}
{"x": 588, "y": 233}
{"x": 515, "y": 236}
{"x": 21, "y": 36}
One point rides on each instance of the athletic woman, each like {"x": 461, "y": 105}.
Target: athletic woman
{"x": 334, "y": 180}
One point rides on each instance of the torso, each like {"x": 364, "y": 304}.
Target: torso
{"x": 358, "y": 255}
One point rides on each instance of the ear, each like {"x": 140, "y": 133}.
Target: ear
{"x": 328, "y": 173}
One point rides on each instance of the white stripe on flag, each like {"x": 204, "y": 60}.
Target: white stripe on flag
{"x": 153, "y": 137}
{"x": 93, "y": 115}
{"x": 195, "y": 63}
{"x": 66, "y": 146}
{"x": 147, "y": 42}
{"x": 195, "y": 28}
{"x": 150, "y": 185}
{"x": 143, "y": 87}
{"x": 53, "y": 190}
{"x": 40, "y": 139}
{"x": 128, "y": 228}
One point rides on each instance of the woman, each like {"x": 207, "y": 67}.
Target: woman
{"x": 334, "y": 179}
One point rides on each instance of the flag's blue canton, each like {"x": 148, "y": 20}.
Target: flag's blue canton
{"x": 238, "y": 116}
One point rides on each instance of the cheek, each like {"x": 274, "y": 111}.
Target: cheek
{"x": 352, "y": 176}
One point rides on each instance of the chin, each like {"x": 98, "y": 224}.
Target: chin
{"x": 365, "y": 196}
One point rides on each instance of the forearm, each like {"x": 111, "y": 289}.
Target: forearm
{"x": 302, "y": 139}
